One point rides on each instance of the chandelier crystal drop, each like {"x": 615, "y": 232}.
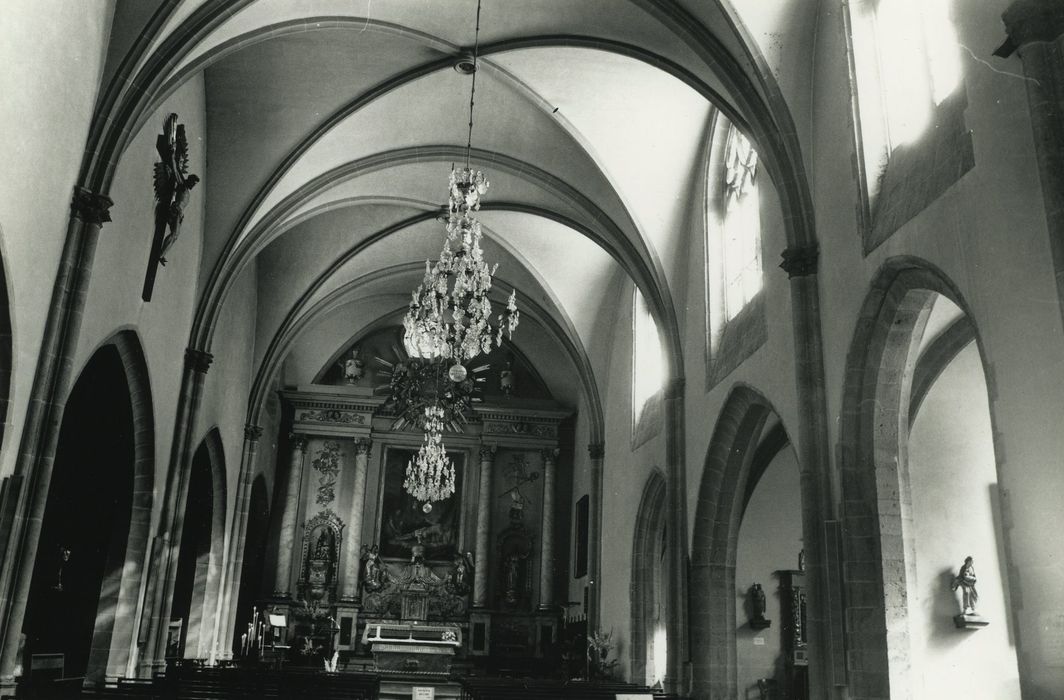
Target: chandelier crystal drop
{"x": 430, "y": 475}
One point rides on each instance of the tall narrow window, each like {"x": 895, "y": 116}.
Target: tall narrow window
{"x": 918, "y": 63}
{"x": 648, "y": 360}
{"x": 742, "y": 225}
{"x": 907, "y": 61}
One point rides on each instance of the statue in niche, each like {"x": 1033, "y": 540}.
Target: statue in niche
{"x": 461, "y": 575}
{"x": 965, "y": 580}
{"x": 372, "y": 569}
{"x": 801, "y": 560}
{"x": 173, "y": 187}
{"x": 506, "y": 378}
{"x": 354, "y": 367}
{"x": 321, "y": 554}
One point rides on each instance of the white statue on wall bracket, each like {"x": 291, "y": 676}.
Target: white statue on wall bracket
{"x": 965, "y": 581}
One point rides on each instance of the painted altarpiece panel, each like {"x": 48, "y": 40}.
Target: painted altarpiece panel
{"x": 403, "y": 520}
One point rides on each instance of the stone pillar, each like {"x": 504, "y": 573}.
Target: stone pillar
{"x": 353, "y": 536}
{"x": 484, "y": 500}
{"x": 677, "y": 657}
{"x": 171, "y": 519}
{"x": 40, "y": 435}
{"x": 282, "y": 583}
{"x": 823, "y": 583}
{"x": 546, "y": 544}
{"x": 235, "y": 562}
{"x": 1036, "y": 33}
{"x": 597, "y": 451}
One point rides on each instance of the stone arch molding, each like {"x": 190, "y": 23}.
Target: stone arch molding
{"x": 121, "y": 596}
{"x": 206, "y": 600}
{"x": 722, "y": 497}
{"x": 649, "y": 516}
{"x": 873, "y": 464}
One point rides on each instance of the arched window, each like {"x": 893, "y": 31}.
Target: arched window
{"x": 648, "y": 360}
{"x": 741, "y": 225}
{"x": 909, "y": 102}
{"x": 735, "y": 318}
{"x": 906, "y": 63}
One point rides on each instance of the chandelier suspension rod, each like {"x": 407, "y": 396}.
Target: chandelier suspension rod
{"x": 473, "y": 89}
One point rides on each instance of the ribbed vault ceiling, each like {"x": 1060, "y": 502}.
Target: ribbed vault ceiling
{"x": 332, "y": 126}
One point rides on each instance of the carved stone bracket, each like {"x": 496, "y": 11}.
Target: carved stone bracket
{"x": 90, "y": 207}
{"x": 198, "y": 360}
{"x": 252, "y": 432}
{"x": 800, "y": 262}
{"x": 1028, "y": 21}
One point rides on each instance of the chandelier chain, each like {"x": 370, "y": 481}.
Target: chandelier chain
{"x": 473, "y": 87}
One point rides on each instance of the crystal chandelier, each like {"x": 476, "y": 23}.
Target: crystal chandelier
{"x": 430, "y": 475}
{"x": 449, "y": 319}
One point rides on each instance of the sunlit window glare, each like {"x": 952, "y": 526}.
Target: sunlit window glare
{"x": 742, "y": 225}
{"x": 660, "y": 651}
{"x": 648, "y": 371}
{"x": 919, "y": 65}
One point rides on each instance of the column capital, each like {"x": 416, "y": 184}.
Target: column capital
{"x": 252, "y": 432}
{"x": 487, "y": 452}
{"x": 90, "y": 207}
{"x": 1028, "y": 21}
{"x": 298, "y": 440}
{"x": 674, "y": 389}
{"x": 597, "y": 450}
{"x": 363, "y": 446}
{"x": 198, "y": 360}
{"x": 550, "y": 454}
{"x": 800, "y": 261}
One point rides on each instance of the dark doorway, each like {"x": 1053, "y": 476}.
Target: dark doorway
{"x": 251, "y": 570}
{"x": 87, "y": 517}
{"x": 193, "y": 561}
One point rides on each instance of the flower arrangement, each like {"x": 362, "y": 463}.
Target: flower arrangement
{"x": 599, "y": 665}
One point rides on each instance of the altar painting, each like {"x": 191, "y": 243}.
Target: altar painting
{"x": 403, "y": 521}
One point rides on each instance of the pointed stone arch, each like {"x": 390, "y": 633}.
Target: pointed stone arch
{"x": 874, "y": 480}
{"x": 646, "y": 551}
{"x": 206, "y": 497}
{"x": 734, "y": 462}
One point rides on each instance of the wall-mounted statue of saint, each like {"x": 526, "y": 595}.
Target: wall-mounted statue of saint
{"x": 965, "y": 580}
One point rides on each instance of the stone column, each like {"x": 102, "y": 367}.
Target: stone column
{"x": 824, "y": 627}
{"x": 597, "y": 451}
{"x": 235, "y": 563}
{"x": 40, "y": 435}
{"x": 171, "y": 520}
{"x": 484, "y": 499}
{"x": 282, "y": 583}
{"x": 353, "y": 534}
{"x": 546, "y": 544}
{"x": 676, "y": 530}
{"x": 1036, "y": 33}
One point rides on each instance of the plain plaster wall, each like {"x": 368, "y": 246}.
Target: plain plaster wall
{"x": 49, "y": 85}
{"x": 770, "y": 539}
{"x": 956, "y": 513}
